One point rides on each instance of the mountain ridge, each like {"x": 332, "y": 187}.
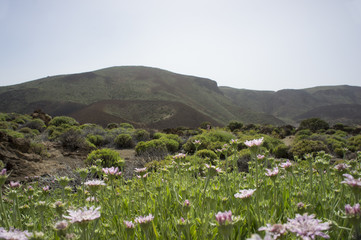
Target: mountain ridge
{"x": 125, "y": 87}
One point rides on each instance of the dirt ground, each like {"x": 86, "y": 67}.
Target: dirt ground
{"x": 59, "y": 163}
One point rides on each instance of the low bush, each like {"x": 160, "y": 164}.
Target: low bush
{"x": 72, "y": 139}
{"x": 141, "y": 135}
{"x": 281, "y": 151}
{"x": 314, "y": 124}
{"x": 354, "y": 143}
{"x": 12, "y": 133}
{"x": 153, "y": 149}
{"x": 206, "y": 154}
{"x": 36, "y": 123}
{"x": 302, "y": 147}
{"x": 126, "y": 125}
{"x": 60, "y": 120}
{"x": 124, "y": 141}
{"x": 108, "y": 157}
{"x": 97, "y": 140}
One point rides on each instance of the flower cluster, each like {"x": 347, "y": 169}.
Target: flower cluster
{"x": 342, "y": 167}
{"x": 224, "y": 217}
{"x": 144, "y": 219}
{"x": 354, "y": 211}
{"x": 112, "y": 171}
{"x": 140, "y": 170}
{"x": 351, "y": 181}
{"x": 129, "y": 224}
{"x": 275, "y": 230}
{"x": 14, "y": 184}
{"x": 14, "y": 234}
{"x": 246, "y": 193}
{"x": 254, "y": 142}
{"x": 307, "y": 227}
{"x": 3, "y": 176}
{"x": 272, "y": 173}
{"x": 179, "y": 156}
{"x": 286, "y": 165}
{"x": 92, "y": 183}
{"x": 213, "y": 167}
{"x": 83, "y": 215}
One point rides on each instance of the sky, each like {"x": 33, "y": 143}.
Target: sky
{"x": 251, "y": 44}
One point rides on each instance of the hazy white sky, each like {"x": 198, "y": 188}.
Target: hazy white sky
{"x": 253, "y": 44}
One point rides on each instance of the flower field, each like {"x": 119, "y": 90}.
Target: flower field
{"x": 190, "y": 198}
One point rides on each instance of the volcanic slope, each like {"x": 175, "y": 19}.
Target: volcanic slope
{"x": 144, "y": 96}
{"x": 332, "y": 103}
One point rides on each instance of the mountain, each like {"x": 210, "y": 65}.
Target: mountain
{"x": 331, "y": 103}
{"x": 143, "y": 96}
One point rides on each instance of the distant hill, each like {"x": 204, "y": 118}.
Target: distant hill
{"x": 151, "y": 97}
{"x": 143, "y": 96}
{"x": 331, "y": 103}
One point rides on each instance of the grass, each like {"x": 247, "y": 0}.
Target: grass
{"x": 182, "y": 199}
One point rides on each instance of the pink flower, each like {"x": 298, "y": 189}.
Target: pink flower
{"x": 342, "y": 167}
{"x": 224, "y": 217}
{"x": 14, "y": 184}
{"x": 140, "y": 170}
{"x": 254, "y": 142}
{"x": 213, "y": 167}
{"x": 197, "y": 142}
{"x": 186, "y": 203}
{"x": 144, "y": 176}
{"x": 46, "y": 189}
{"x": 354, "y": 211}
{"x": 286, "y": 165}
{"x": 3, "y": 172}
{"x": 260, "y": 157}
{"x": 61, "y": 225}
{"x": 307, "y": 227}
{"x": 83, "y": 215}
{"x": 129, "y": 224}
{"x": 276, "y": 230}
{"x": 14, "y": 234}
{"x": 112, "y": 171}
{"x": 246, "y": 193}
{"x": 272, "y": 173}
{"x": 91, "y": 183}
{"x": 144, "y": 219}
{"x": 351, "y": 181}
{"x": 179, "y": 156}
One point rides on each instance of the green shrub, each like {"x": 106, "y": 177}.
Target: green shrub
{"x": 21, "y": 119}
{"x": 354, "y": 143}
{"x": 112, "y": 126}
{"x": 141, "y": 135}
{"x": 12, "y": 133}
{"x": 97, "y": 140}
{"x": 126, "y": 125}
{"x": 109, "y": 157}
{"x": 281, "y": 151}
{"x": 171, "y": 145}
{"x": 29, "y": 132}
{"x": 61, "y": 120}
{"x": 303, "y": 134}
{"x": 207, "y": 154}
{"x": 153, "y": 148}
{"x": 72, "y": 139}
{"x": 38, "y": 148}
{"x": 169, "y": 136}
{"x": 36, "y": 123}
{"x": 234, "y": 125}
{"x": 4, "y": 116}
{"x": 123, "y": 141}
{"x": 302, "y": 147}
{"x": 314, "y": 124}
